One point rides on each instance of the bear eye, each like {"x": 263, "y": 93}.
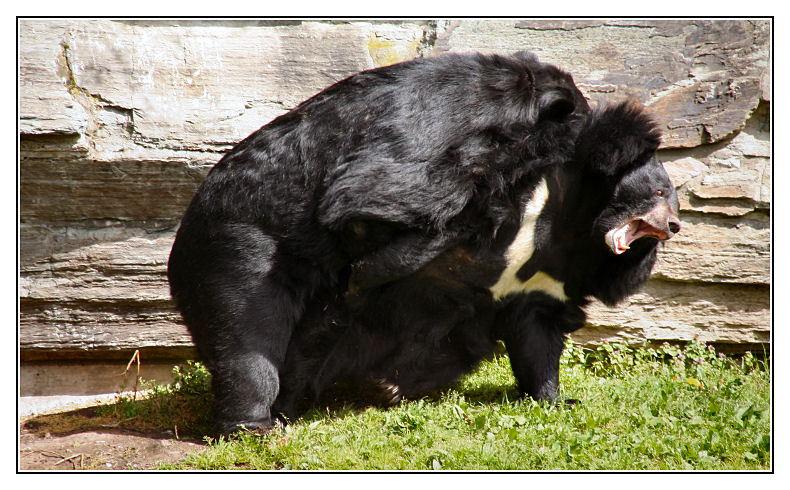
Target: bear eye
{"x": 659, "y": 193}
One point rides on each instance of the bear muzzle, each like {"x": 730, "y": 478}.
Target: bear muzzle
{"x": 661, "y": 223}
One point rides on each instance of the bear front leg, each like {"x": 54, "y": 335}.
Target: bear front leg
{"x": 405, "y": 255}
{"x": 533, "y": 328}
{"x": 535, "y": 359}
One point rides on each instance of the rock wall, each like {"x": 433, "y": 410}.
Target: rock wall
{"x": 121, "y": 120}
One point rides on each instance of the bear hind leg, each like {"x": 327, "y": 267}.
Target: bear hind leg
{"x": 246, "y": 355}
{"x": 241, "y": 311}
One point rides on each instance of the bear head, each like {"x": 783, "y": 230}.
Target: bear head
{"x": 636, "y": 198}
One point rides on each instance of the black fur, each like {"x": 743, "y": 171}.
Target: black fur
{"x": 356, "y": 236}
{"x": 423, "y": 331}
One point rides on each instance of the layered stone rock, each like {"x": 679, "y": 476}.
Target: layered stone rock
{"x": 121, "y": 120}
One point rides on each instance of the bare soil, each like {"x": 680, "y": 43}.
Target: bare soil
{"x": 76, "y": 441}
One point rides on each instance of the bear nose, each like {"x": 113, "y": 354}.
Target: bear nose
{"x": 674, "y": 224}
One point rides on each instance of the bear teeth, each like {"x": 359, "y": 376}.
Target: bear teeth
{"x": 620, "y": 238}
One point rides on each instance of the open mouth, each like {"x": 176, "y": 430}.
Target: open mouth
{"x": 619, "y": 239}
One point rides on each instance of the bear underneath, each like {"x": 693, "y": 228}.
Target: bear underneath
{"x": 395, "y": 225}
{"x": 587, "y": 228}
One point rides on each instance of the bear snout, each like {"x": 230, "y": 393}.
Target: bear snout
{"x": 664, "y": 220}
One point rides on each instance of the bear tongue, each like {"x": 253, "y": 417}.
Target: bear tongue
{"x": 620, "y": 239}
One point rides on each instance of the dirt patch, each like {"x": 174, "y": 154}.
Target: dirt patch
{"x": 46, "y": 443}
{"x": 100, "y": 451}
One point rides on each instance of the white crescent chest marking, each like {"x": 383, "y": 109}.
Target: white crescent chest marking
{"x": 521, "y": 250}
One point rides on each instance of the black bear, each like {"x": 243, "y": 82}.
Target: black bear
{"x": 587, "y": 227}
{"x": 394, "y": 224}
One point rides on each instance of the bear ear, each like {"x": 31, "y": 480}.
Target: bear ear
{"x": 555, "y": 104}
{"x": 616, "y": 137}
{"x": 529, "y": 58}
{"x": 555, "y": 95}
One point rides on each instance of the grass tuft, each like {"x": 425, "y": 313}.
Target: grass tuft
{"x": 182, "y": 407}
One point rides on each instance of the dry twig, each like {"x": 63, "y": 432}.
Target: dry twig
{"x": 63, "y": 459}
{"x": 135, "y": 356}
{"x": 70, "y": 458}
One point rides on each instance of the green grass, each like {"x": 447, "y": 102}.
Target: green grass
{"x": 182, "y": 406}
{"x": 669, "y": 408}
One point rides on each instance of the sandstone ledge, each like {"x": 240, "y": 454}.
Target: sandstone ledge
{"x": 121, "y": 120}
